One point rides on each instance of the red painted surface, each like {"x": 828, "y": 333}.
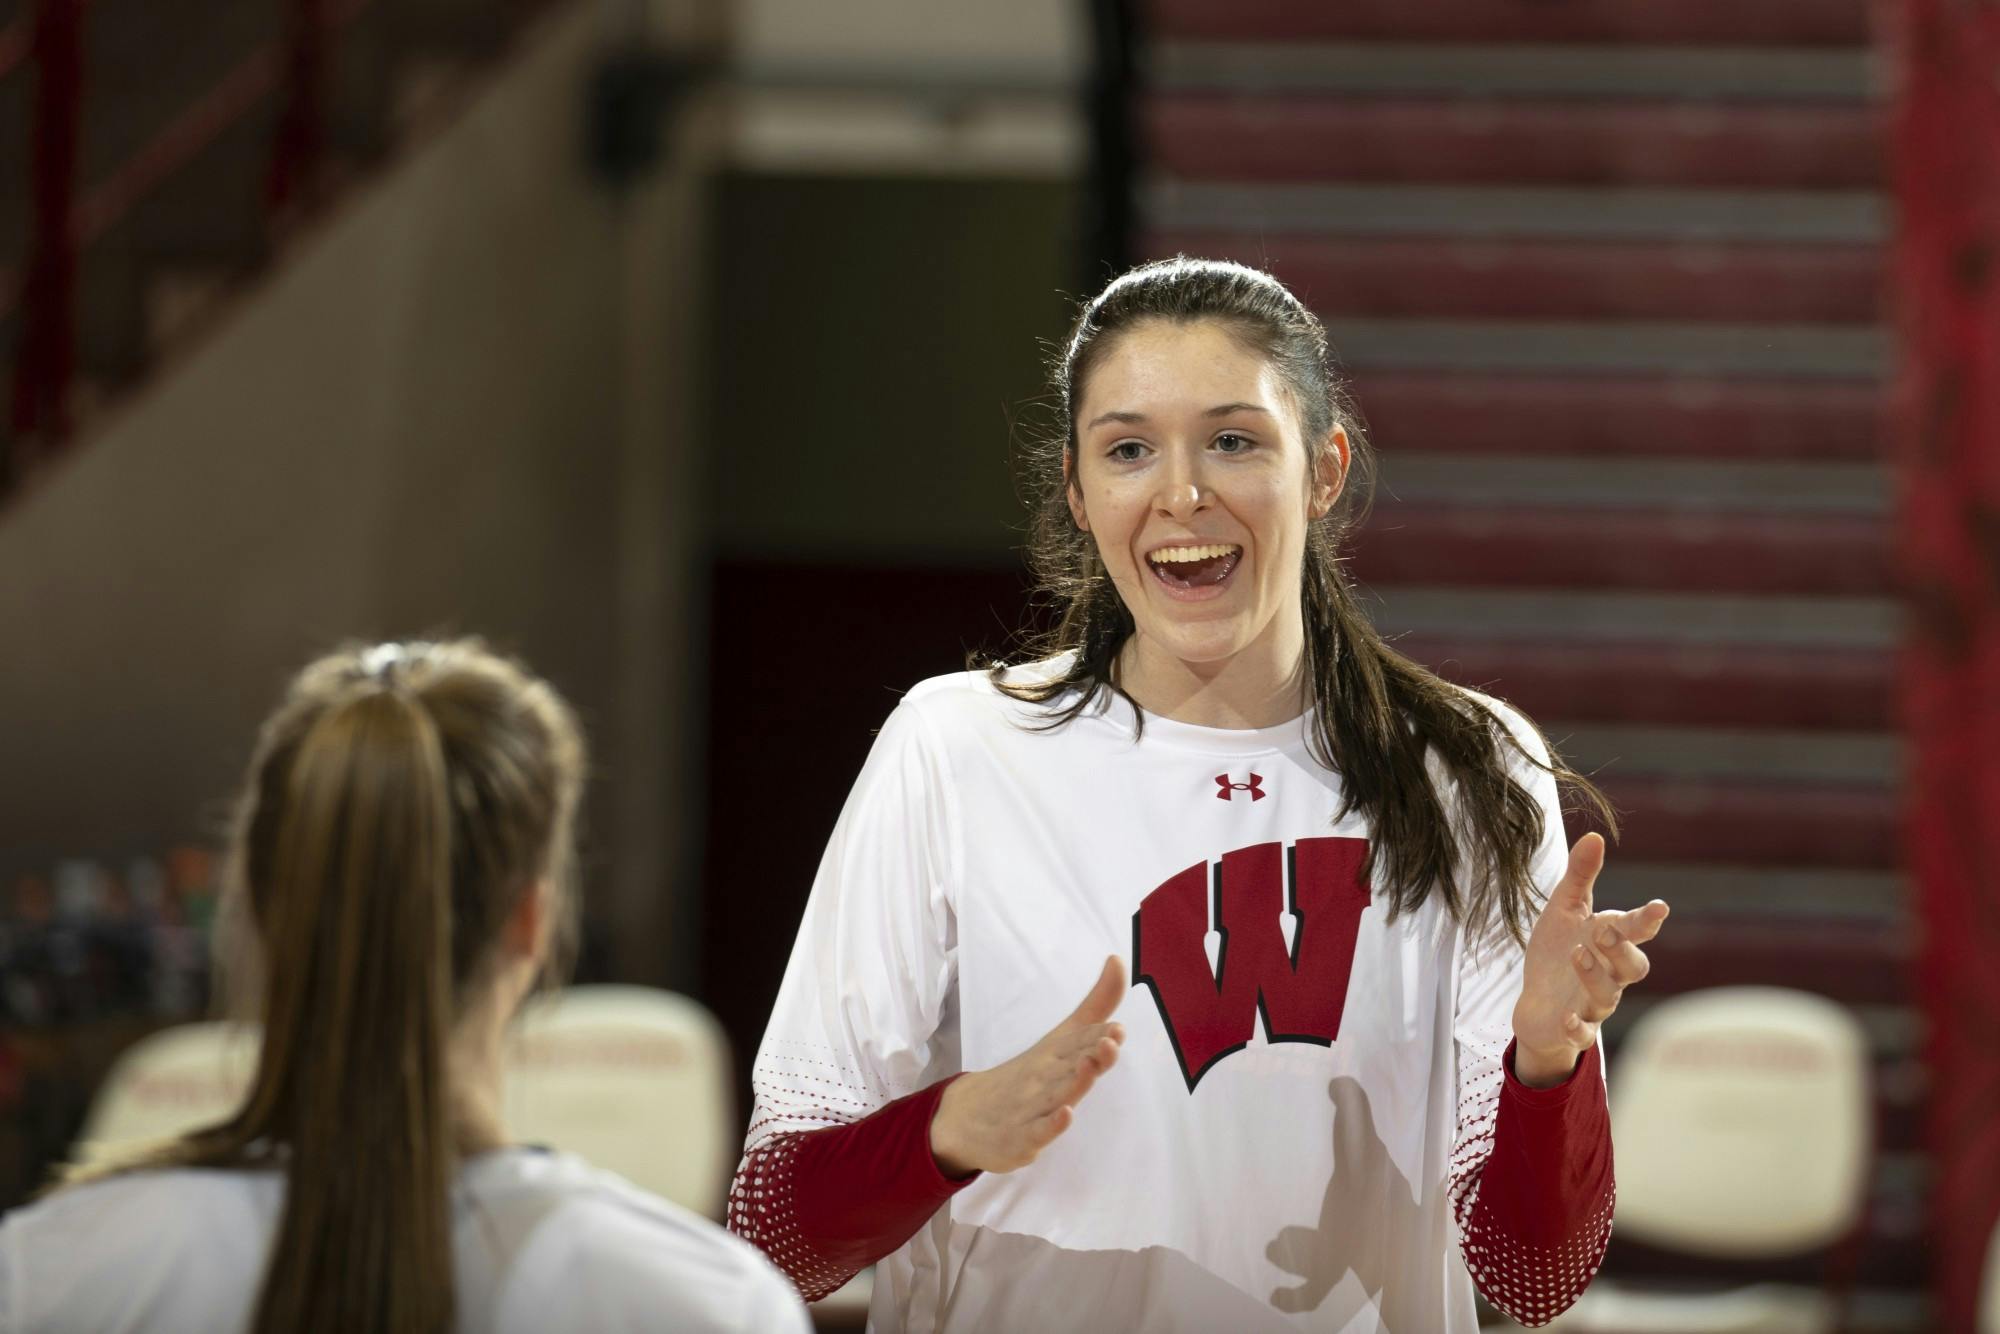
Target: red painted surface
{"x": 1947, "y": 430}
{"x": 301, "y": 141}
{"x": 48, "y": 329}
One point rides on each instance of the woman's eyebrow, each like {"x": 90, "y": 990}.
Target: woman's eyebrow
{"x": 1134, "y": 418}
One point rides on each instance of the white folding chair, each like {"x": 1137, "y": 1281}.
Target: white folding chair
{"x": 170, "y": 1082}
{"x": 633, "y": 1079}
{"x": 1742, "y": 1123}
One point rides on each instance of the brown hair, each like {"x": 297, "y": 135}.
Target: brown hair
{"x": 401, "y": 800}
{"x": 1377, "y": 714}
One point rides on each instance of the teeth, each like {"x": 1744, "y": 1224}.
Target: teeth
{"x": 1182, "y": 555}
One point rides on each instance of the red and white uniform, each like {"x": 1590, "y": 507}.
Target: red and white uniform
{"x": 1309, "y": 1126}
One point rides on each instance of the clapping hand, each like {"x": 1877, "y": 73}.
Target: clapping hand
{"x": 999, "y": 1119}
{"x": 1579, "y": 963}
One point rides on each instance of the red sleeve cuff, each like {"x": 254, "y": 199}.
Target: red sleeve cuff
{"x": 861, "y": 1190}
{"x": 1586, "y": 1073}
{"x": 1549, "y": 1178}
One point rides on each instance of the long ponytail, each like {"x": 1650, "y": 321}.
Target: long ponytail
{"x": 356, "y": 1027}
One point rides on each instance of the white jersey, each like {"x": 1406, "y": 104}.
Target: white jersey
{"x": 1306, "y": 1088}
{"x": 541, "y": 1241}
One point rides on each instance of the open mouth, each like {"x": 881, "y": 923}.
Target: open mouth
{"x": 1187, "y": 569}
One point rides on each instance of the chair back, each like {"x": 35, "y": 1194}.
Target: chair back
{"x": 634, "y": 1080}
{"x": 173, "y": 1081}
{"x": 1742, "y": 1123}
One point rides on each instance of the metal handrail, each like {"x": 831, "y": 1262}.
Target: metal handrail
{"x": 69, "y": 216}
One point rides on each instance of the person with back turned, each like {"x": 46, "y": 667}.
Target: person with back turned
{"x": 403, "y": 857}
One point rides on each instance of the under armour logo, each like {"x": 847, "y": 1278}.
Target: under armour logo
{"x": 1255, "y": 787}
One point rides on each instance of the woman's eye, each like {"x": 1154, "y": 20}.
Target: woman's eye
{"x": 1233, "y": 444}
{"x": 1126, "y": 451}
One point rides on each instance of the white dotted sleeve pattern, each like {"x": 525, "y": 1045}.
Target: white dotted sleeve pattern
{"x": 1530, "y": 1172}
{"x": 764, "y": 1212}
{"x": 856, "y": 1023}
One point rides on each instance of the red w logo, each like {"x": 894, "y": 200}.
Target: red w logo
{"x": 1299, "y": 989}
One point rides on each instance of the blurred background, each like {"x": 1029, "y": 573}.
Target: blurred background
{"x": 681, "y": 346}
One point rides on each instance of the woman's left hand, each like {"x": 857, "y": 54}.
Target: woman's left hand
{"x": 1579, "y": 963}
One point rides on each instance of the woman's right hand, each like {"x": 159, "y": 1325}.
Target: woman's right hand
{"x": 1000, "y": 1119}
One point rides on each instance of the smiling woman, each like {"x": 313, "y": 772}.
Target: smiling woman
{"x": 1202, "y": 498}
{"x": 1206, "y": 410}
{"x": 1372, "y": 973}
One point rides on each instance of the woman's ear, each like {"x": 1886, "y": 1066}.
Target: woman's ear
{"x": 525, "y": 933}
{"x": 1330, "y": 476}
{"x": 1072, "y": 494}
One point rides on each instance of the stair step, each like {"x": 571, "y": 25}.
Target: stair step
{"x": 427, "y": 92}
{"x": 1755, "y": 824}
{"x": 1755, "y": 351}
{"x": 458, "y": 29}
{"x": 1600, "y": 416}
{"x": 212, "y": 204}
{"x": 1685, "y": 22}
{"x": 1728, "y": 73}
{"x": 1858, "y": 963}
{"x": 110, "y": 308}
{"x": 361, "y": 74}
{"x": 161, "y": 60}
{"x": 1664, "y": 683}
{"x": 1438, "y": 477}
{"x": 1531, "y": 212}
{"x": 1764, "y": 755}
{"x": 1227, "y": 136}
{"x": 1658, "y": 550}
{"x": 1673, "y": 621}
{"x": 180, "y": 300}
{"x": 1513, "y": 278}
{"x": 1724, "y": 894}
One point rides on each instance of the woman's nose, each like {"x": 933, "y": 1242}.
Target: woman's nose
{"x": 1181, "y": 492}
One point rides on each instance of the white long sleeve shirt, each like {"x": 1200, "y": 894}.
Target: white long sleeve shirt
{"x": 541, "y": 1241}
{"x": 1296, "y": 1131}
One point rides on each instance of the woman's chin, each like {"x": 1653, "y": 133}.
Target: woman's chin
{"x": 1198, "y": 645}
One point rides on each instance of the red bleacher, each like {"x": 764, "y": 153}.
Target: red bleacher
{"x": 1509, "y": 277}
{"x": 1787, "y": 22}
{"x": 1224, "y": 136}
{"x": 1610, "y": 415}
{"x": 1660, "y": 550}
{"x": 1667, "y": 683}
{"x": 1526, "y": 259}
